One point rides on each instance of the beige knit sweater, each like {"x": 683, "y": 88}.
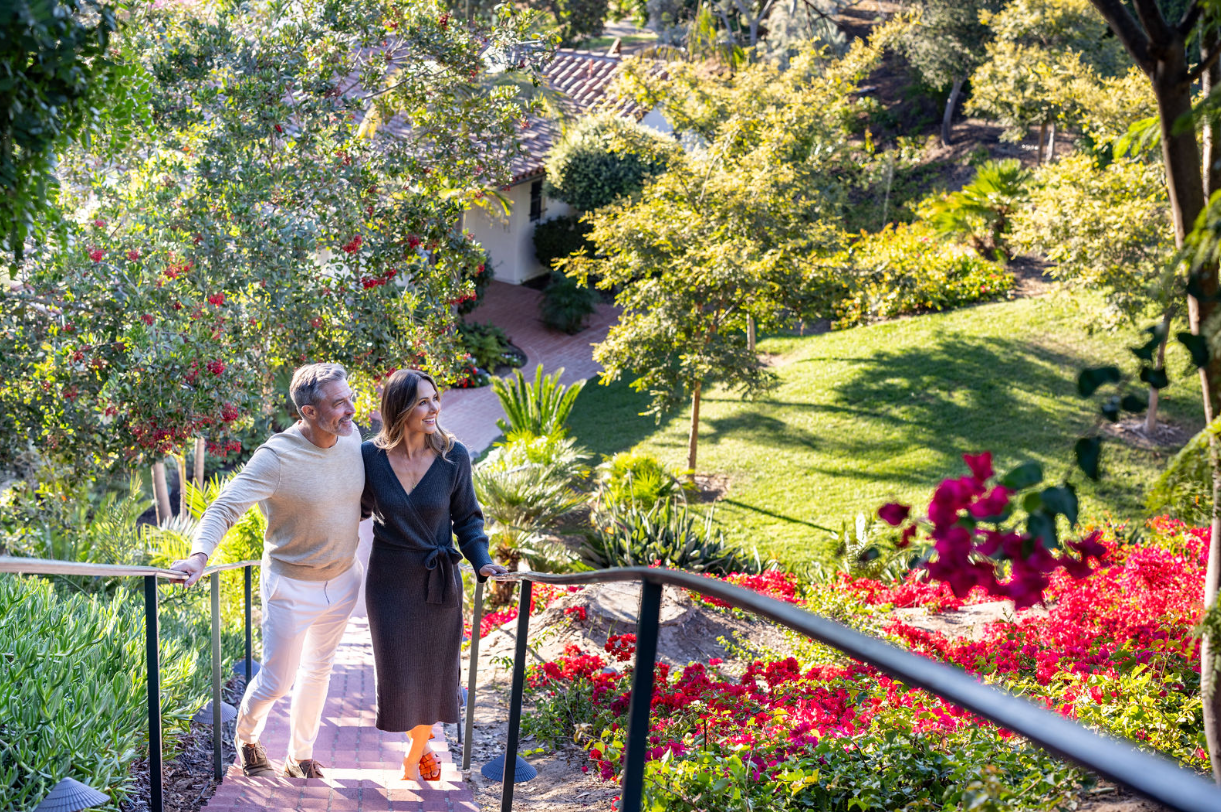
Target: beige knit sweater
{"x": 311, "y": 498}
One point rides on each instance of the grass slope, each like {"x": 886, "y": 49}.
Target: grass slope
{"x": 884, "y": 412}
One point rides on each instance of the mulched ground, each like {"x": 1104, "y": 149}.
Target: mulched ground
{"x": 188, "y": 780}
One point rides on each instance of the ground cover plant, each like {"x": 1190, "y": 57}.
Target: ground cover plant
{"x": 882, "y": 413}
{"x": 1115, "y": 651}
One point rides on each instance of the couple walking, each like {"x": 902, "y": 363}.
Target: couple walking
{"x": 314, "y": 482}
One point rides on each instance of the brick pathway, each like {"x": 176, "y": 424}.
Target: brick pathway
{"x": 362, "y": 764}
{"x": 471, "y": 413}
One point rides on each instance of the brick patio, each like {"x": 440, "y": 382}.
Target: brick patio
{"x": 362, "y": 764}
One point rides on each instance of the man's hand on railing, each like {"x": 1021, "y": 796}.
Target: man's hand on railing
{"x": 193, "y": 566}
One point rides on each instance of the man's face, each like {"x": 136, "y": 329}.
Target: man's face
{"x": 333, "y": 410}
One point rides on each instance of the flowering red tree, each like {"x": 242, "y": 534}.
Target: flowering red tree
{"x": 968, "y": 522}
{"x": 295, "y": 199}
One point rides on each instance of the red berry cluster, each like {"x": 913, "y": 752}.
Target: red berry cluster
{"x": 368, "y": 282}
{"x": 352, "y": 245}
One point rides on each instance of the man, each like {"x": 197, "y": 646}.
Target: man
{"x": 308, "y": 482}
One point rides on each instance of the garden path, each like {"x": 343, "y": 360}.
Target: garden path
{"x": 361, "y": 763}
{"x": 471, "y": 414}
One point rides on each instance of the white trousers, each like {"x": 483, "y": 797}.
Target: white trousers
{"x": 303, "y": 622}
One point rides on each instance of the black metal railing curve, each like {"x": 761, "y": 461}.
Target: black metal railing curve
{"x": 1151, "y": 776}
{"x": 44, "y": 566}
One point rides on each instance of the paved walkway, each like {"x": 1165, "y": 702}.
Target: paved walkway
{"x": 362, "y": 764}
{"x": 471, "y": 413}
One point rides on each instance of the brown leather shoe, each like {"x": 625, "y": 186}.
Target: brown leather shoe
{"x": 254, "y": 760}
{"x": 305, "y": 768}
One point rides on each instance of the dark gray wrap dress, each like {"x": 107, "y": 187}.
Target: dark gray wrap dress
{"x": 413, "y": 590}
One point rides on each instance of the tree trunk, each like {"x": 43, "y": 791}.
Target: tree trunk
{"x": 1038, "y": 157}
{"x": 1151, "y": 412}
{"x": 182, "y": 483}
{"x": 693, "y": 440}
{"x": 1051, "y": 141}
{"x": 750, "y": 333}
{"x": 161, "y": 493}
{"x": 200, "y": 451}
{"x": 950, "y": 104}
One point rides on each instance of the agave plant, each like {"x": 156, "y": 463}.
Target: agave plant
{"x": 540, "y": 408}
{"x": 667, "y": 534}
{"x": 980, "y": 212}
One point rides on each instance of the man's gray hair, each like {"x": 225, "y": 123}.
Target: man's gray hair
{"x": 309, "y": 380}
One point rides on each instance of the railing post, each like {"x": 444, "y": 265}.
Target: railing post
{"x": 153, "y": 664}
{"x": 217, "y": 732}
{"x": 246, "y": 571}
{"x": 519, "y": 685}
{"x": 473, "y": 671}
{"x": 642, "y": 696}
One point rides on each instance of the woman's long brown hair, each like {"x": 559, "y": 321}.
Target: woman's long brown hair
{"x": 399, "y": 396}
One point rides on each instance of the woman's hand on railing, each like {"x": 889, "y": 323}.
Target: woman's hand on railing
{"x": 488, "y": 570}
{"x": 193, "y": 566}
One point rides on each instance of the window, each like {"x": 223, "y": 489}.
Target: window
{"x": 536, "y": 200}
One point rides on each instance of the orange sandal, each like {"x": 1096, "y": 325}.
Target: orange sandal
{"x": 430, "y": 766}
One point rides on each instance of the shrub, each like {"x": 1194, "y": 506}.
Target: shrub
{"x": 566, "y": 304}
{"x": 559, "y": 237}
{"x": 979, "y": 213}
{"x": 666, "y": 534}
{"x": 73, "y": 686}
{"x": 905, "y": 270}
{"x": 525, "y": 486}
{"x": 480, "y": 273}
{"x": 603, "y": 158}
{"x": 540, "y": 408}
{"x": 488, "y": 345}
{"x": 636, "y": 478}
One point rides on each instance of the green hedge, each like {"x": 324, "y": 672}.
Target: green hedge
{"x": 906, "y": 270}
{"x": 73, "y": 687}
{"x": 604, "y": 157}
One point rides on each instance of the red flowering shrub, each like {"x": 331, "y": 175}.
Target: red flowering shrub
{"x": 1114, "y": 651}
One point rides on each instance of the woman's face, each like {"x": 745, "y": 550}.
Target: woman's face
{"x": 423, "y": 414}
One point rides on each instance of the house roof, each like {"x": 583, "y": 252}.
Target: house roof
{"x": 584, "y": 79}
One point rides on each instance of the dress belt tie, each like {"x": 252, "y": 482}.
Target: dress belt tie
{"x": 440, "y": 563}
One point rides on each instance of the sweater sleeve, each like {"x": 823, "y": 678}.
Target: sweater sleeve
{"x": 257, "y": 481}
{"x": 467, "y": 515}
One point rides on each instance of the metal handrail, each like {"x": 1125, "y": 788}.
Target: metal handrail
{"x": 44, "y": 566}
{"x": 1151, "y": 776}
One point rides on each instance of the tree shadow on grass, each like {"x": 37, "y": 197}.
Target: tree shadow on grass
{"x": 608, "y": 419}
{"x": 960, "y": 394}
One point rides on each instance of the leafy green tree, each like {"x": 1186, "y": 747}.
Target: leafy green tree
{"x": 945, "y": 44}
{"x": 578, "y": 19}
{"x": 1038, "y": 48}
{"x": 293, "y": 198}
{"x": 604, "y": 157}
{"x": 725, "y": 235}
{"x": 63, "y": 79}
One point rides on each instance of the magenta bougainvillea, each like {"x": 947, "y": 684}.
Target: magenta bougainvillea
{"x": 968, "y": 524}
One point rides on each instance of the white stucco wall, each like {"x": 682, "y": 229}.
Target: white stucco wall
{"x": 509, "y": 238}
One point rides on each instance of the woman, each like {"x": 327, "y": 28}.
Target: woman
{"x": 418, "y": 489}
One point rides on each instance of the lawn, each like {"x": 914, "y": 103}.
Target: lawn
{"x": 884, "y": 412}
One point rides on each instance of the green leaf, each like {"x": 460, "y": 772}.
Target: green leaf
{"x": 1156, "y": 378}
{"x": 1134, "y": 403}
{"x": 1110, "y": 409}
{"x": 1042, "y": 526}
{"x": 1026, "y": 475}
{"x": 1088, "y": 451}
{"x": 1093, "y": 377}
{"x": 1197, "y": 345}
{"x": 1062, "y": 500}
{"x": 1145, "y": 351}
